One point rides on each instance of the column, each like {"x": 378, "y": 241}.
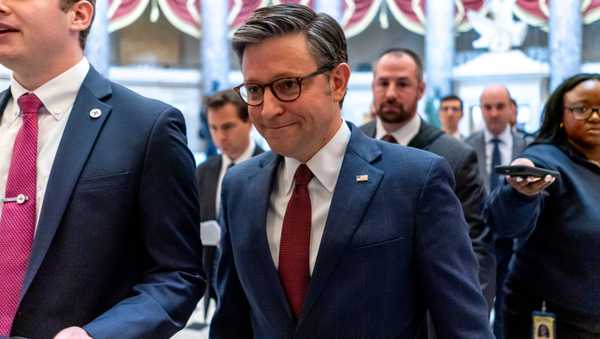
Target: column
{"x": 214, "y": 47}
{"x": 214, "y": 51}
{"x": 97, "y": 48}
{"x": 439, "y": 54}
{"x": 564, "y": 40}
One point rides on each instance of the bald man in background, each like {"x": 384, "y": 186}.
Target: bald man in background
{"x": 497, "y": 144}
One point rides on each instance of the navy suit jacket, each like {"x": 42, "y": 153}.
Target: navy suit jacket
{"x": 469, "y": 189}
{"x": 382, "y": 261}
{"x": 117, "y": 248}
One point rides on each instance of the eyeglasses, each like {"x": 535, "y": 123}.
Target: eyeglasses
{"x": 583, "y": 112}
{"x": 284, "y": 89}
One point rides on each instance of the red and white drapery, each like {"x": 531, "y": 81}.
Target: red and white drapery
{"x": 356, "y": 14}
{"x": 535, "y": 12}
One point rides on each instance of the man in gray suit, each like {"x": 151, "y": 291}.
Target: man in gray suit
{"x": 397, "y": 87}
{"x": 496, "y": 145}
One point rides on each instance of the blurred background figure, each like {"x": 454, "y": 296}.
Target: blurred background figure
{"x": 559, "y": 262}
{"x": 496, "y": 145}
{"x": 514, "y": 124}
{"x": 230, "y": 128}
{"x": 451, "y": 111}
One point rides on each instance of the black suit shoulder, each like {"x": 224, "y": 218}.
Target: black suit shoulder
{"x": 207, "y": 179}
{"x": 210, "y": 163}
{"x": 455, "y": 151}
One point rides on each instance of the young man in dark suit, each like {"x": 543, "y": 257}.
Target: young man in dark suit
{"x": 98, "y": 226}
{"x": 230, "y": 128}
{"x": 333, "y": 234}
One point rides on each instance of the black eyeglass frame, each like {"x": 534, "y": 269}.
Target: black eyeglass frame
{"x": 589, "y": 110}
{"x": 299, "y": 80}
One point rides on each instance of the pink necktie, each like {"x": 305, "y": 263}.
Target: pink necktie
{"x": 295, "y": 242}
{"x": 17, "y": 223}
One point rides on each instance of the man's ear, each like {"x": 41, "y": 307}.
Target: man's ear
{"x": 421, "y": 89}
{"x": 339, "y": 78}
{"x": 82, "y": 15}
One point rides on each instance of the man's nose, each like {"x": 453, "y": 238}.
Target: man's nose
{"x": 271, "y": 105}
{"x": 390, "y": 91}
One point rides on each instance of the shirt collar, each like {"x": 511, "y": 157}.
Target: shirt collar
{"x": 325, "y": 164}
{"x": 247, "y": 154}
{"x": 58, "y": 95}
{"x": 403, "y": 134}
{"x": 505, "y": 137}
{"x": 457, "y": 135}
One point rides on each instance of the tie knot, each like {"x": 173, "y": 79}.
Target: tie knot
{"x": 29, "y": 104}
{"x": 303, "y": 175}
{"x": 495, "y": 141}
{"x": 389, "y": 138}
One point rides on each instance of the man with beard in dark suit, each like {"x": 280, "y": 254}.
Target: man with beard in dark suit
{"x": 397, "y": 87}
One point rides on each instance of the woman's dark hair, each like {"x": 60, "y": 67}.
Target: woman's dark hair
{"x": 551, "y": 130}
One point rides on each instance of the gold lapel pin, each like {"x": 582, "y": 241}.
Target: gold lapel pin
{"x": 362, "y": 178}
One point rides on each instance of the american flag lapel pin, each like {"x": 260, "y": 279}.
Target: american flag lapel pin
{"x": 362, "y": 178}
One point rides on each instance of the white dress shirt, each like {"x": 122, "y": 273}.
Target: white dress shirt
{"x": 505, "y": 145}
{"x": 403, "y": 134}
{"x": 457, "y": 135}
{"x": 226, "y": 161}
{"x": 58, "y": 96}
{"x": 326, "y": 166}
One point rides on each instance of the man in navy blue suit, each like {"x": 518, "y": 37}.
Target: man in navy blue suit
{"x": 334, "y": 234}
{"x": 98, "y": 227}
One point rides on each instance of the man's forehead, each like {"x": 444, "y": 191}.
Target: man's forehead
{"x": 493, "y": 101}
{"x": 495, "y": 93}
{"x": 277, "y": 56}
{"x": 450, "y": 102}
{"x": 395, "y": 68}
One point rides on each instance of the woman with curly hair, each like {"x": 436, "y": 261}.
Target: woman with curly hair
{"x": 559, "y": 262}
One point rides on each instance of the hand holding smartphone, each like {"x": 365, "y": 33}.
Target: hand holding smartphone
{"x": 527, "y": 179}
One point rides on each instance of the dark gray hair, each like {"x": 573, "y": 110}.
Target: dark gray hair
{"x": 326, "y": 40}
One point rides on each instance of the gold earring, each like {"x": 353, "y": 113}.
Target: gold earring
{"x": 562, "y": 125}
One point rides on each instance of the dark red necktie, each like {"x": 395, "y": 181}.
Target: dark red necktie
{"x": 389, "y": 138}
{"x": 17, "y": 224}
{"x": 295, "y": 242}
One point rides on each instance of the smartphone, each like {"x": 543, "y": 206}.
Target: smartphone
{"x": 525, "y": 171}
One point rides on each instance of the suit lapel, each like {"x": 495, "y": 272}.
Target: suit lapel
{"x": 518, "y": 144}
{"x": 76, "y": 144}
{"x": 426, "y": 135}
{"x": 370, "y": 128}
{"x": 348, "y": 206}
{"x": 266, "y": 279}
{"x": 479, "y": 143}
{"x": 208, "y": 190}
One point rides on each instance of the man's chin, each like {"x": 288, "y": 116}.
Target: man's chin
{"x": 393, "y": 118}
